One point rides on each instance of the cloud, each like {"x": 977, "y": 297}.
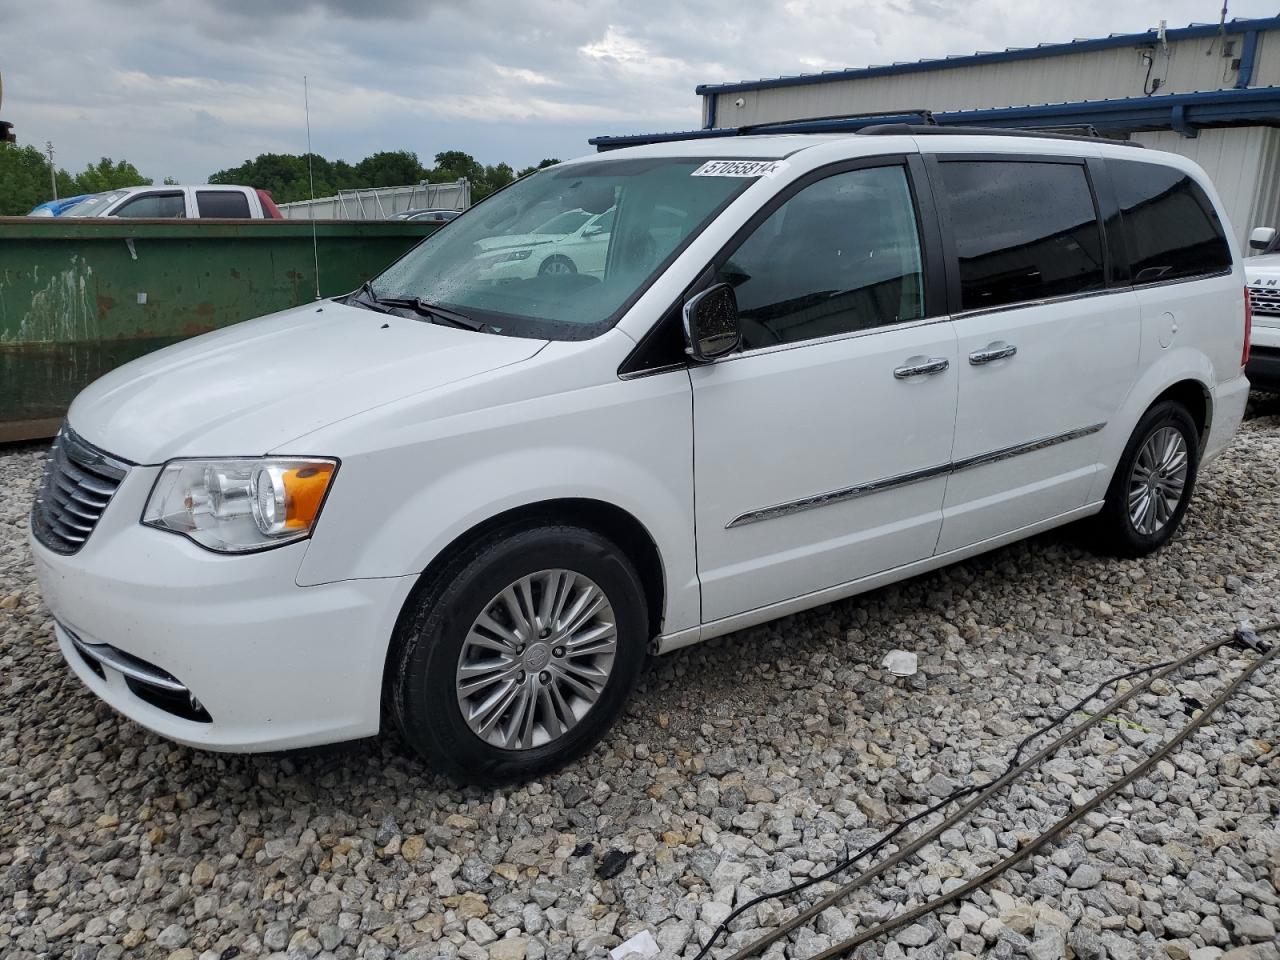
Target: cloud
{"x": 186, "y": 87}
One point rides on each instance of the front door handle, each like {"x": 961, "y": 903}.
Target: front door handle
{"x": 992, "y": 352}
{"x": 921, "y": 366}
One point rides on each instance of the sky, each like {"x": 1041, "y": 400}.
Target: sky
{"x": 183, "y": 88}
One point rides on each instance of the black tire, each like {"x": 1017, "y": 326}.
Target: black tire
{"x": 1114, "y": 529}
{"x": 423, "y": 665}
{"x": 557, "y": 264}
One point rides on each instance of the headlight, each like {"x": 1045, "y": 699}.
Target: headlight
{"x": 512, "y": 255}
{"x": 241, "y": 504}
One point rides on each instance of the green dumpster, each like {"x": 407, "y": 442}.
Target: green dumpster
{"x": 79, "y": 297}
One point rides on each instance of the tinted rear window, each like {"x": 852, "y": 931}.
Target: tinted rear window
{"x": 222, "y": 203}
{"x": 1171, "y": 230}
{"x": 1023, "y": 230}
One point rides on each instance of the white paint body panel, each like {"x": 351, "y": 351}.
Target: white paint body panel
{"x": 1036, "y": 394}
{"x": 439, "y": 430}
{"x": 780, "y": 425}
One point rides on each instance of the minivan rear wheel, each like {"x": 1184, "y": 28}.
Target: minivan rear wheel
{"x": 1152, "y": 484}
{"x": 520, "y": 654}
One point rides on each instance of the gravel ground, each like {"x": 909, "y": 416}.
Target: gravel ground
{"x": 742, "y": 766}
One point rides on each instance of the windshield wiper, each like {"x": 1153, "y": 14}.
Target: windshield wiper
{"x": 433, "y": 312}
{"x": 365, "y": 297}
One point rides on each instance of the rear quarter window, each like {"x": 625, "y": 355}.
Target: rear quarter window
{"x": 225, "y": 204}
{"x": 1171, "y": 230}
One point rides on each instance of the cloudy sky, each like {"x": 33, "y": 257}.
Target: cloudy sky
{"x": 185, "y": 87}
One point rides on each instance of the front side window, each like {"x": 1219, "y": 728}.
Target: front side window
{"x": 841, "y": 255}
{"x": 1171, "y": 230}
{"x": 224, "y": 204}
{"x": 154, "y": 206}
{"x": 1022, "y": 231}
{"x": 517, "y": 264}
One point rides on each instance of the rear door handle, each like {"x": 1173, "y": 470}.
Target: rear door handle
{"x": 921, "y": 366}
{"x": 992, "y": 352}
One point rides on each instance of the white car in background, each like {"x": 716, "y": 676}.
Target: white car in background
{"x": 1263, "y": 275}
{"x": 571, "y": 242}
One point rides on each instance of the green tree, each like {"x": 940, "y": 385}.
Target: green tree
{"x": 287, "y": 178}
{"x": 541, "y": 166}
{"x": 24, "y": 179}
{"x": 390, "y": 168}
{"x": 108, "y": 174}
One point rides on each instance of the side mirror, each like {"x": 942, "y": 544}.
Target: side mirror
{"x": 1261, "y": 237}
{"x": 711, "y": 323}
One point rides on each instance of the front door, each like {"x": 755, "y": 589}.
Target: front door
{"x": 821, "y": 448}
{"x": 1047, "y": 350}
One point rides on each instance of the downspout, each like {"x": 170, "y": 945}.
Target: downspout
{"x": 710, "y": 99}
{"x": 1248, "y": 57}
{"x": 1178, "y": 121}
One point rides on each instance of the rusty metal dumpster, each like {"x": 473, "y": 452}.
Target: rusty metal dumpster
{"x": 78, "y": 297}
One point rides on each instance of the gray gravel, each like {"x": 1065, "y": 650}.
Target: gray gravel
{"x": 742, "y": 766}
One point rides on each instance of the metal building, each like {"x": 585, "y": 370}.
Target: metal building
{"x": 1210, "y": 92}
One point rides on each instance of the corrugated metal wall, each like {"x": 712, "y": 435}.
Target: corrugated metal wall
{"x": 1244, "y": 165}
{"x": 378, "y": 203}
{"x": 1189, "y": 65}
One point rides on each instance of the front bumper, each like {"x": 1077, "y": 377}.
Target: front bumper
{"x": 1263, "y": 369}
{"x": 272, "y": 665}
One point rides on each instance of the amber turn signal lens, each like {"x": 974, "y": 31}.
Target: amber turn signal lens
{"x": 305, "y": 488}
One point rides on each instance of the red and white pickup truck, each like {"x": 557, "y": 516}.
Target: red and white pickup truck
{"x": 204, "y": 201}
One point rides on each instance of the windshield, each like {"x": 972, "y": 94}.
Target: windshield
{"x": 561, "y": 253}
{"x": 93, "y": 206}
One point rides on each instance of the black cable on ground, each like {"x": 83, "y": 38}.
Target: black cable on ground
{"x": 845, "y": 946}
{"x": 1013, "y": 769}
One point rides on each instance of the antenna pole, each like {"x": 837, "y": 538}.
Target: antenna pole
{"x": 315, "y": 246}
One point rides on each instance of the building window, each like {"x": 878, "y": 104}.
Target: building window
{"x": 1023, "y": 231}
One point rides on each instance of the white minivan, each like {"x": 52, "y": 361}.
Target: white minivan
{"x": 471, "y": 506}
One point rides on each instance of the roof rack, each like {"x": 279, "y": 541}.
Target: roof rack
{"x": 918, "y": 129}
{"x": 842, "y": 122}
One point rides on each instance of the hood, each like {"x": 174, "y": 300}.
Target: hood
{"x": 518, "y": 240}
{"x": 247, "y": 389}
{"x": 1264, "y": 267}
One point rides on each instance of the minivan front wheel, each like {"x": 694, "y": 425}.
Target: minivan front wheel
{"x": 1153, "y": 482}
{"x": 520, "y": 654}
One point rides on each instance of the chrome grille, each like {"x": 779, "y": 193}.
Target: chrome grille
{"x": 79, "y": 482}
{"x": 1265, "y": 300}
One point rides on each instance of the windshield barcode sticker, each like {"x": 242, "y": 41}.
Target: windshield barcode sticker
{"x": 740, "y": 168}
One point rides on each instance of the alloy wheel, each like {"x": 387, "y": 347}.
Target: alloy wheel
{"x": 536, "y": 659}
{"x": 1158, "y": 480}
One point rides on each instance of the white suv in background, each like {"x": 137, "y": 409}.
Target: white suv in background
{"x": 1263, "y": 275}
{"x": 471, "y": 506}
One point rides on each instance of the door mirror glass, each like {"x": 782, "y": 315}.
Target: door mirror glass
{"x": 1261, "y": 237}
{"x": 711, "y": 323}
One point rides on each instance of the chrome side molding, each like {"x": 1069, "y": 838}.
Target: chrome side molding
{"x": 876, "y": 486}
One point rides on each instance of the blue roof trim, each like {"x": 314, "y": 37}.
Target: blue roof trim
{"x": 1002, "y": 56}
{"x": 1185, "y": 112}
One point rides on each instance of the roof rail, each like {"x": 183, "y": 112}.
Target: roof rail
{"x": 916, "y": 115}
{"x": 917, "y": 129}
